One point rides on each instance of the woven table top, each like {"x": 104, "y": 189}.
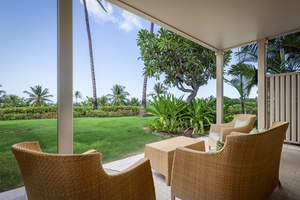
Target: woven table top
{"x": 172, "y": 144}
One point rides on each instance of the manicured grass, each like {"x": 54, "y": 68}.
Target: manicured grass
{"x": 114, "y": 138}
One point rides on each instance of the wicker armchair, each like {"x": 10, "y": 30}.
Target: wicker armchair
{"x": 220, "y": 131}
{"x": 61, "y": 176}
{"x": 246, "y": 168}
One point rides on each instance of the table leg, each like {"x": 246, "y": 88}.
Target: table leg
{"x": 168, "y": 179}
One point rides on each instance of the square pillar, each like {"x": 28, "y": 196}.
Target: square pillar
{"x": 262, "y": 63}
{"x": 65, "y": 76}
{"x": 220, "y": 85}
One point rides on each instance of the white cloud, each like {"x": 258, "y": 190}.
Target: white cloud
{"x": 129, "y": 21}
{"x": 125, "y": 21}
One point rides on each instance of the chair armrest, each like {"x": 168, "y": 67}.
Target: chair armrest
{"x": 227, "y": 131}
{"x": 90, "y": 152}
{"x": 237, "y": 133}
{"x": 33, "y": 146}
{"x": 136, "y": 181}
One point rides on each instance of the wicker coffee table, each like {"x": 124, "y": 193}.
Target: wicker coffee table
{"x": 161, "y": 153}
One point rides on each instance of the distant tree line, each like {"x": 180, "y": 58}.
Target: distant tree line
{"x": 40, "y": 97}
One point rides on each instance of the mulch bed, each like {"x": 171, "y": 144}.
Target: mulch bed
{"x": 186, "y": 133}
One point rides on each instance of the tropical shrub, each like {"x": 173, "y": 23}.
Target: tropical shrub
{"x": 174, "y": 115}
{"x": 201, "y": 113}
{"x": 168, "y": 111}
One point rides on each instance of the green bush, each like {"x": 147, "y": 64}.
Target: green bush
{"x": 174, "y": 115}
{"x": 201, "y": 113}
{"x": 167, "y": 110}
{"x": 50, "y": 112}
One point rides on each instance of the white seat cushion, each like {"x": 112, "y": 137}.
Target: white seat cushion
{"x": 239, "y": 123}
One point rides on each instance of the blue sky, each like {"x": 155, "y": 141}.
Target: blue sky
{"x": 28, "y": 50}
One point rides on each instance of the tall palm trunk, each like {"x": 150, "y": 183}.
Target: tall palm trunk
{"x": 143, "y": 110}
{"x": 242, "y": 88}
{"x": 95, "y": 106}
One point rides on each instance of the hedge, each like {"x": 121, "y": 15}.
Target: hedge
{"x": 50, "y": 112}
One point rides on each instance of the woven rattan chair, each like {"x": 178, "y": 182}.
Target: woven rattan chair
{"x": 70, "y": 177}
{"x": 220, "y": 131}
{"x": 246, "y": 168}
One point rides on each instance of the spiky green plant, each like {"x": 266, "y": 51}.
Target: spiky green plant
{"x": 167, "y": 110}
{"x": 201, "y": 113}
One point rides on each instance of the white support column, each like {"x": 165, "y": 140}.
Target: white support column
{"x": 262, "y": 63}
{"x": 220, "y": 92}
{"x": 65, "y": 76}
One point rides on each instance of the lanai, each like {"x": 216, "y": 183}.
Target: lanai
{"x": 217, "y": 24}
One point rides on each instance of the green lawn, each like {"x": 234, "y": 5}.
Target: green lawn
{"x": 114, "y": 138}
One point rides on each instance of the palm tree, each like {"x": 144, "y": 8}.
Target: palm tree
{"x": 87, "y": 102}
{"x": 118, "y": 96}
{"x": 38, "y": 96}
{"x": 135, "y": 102}
{"x": 77, "y": 95}
{"x": 243, "y": 66}
{"x": 283, "y": 54}
{"x": 103, "y": 101}
{"x": 2, "y": 91}
{"x": 244, "y": 78}
{"x": 159, "y": 89}
{"x": 144, "y": 96}
{"x": 91, "y": 52}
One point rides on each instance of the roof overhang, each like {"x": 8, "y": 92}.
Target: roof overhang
{"x": 217, "y": 24}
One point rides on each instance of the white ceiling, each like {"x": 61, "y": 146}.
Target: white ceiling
{"x": 220, "y": 24}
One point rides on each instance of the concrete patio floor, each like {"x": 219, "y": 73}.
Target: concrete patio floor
{"x": 289, "y": 177}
